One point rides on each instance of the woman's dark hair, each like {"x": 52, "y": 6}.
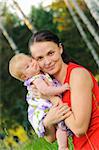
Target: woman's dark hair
{"x": 43, "y": 36}
{"x": 46, "y": 35}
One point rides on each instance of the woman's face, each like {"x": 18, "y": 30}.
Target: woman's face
{"x": 48, "y": 55}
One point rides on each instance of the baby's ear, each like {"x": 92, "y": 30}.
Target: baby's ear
{"x": 23, "y": 77}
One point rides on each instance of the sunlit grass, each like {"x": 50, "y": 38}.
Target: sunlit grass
{"x": 38, "y": 144}
{"x": 18, "y": 138}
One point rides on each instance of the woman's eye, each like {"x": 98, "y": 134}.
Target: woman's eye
{"x": 51, "y": 53}
{"x": 40, "y": 58}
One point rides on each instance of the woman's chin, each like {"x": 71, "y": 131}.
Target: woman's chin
{"x": 51, "y": 71}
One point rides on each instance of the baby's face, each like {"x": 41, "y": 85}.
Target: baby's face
{"x": 30, "y": 67}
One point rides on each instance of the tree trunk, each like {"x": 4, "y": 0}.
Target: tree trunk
{"x": 86, "y": 21}
{"x": 82, "y": 32}
{"x": 93, "y": 6}
{"x": 9, "y": 39}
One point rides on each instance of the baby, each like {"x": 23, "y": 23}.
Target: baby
{"x": 26, "y": 69}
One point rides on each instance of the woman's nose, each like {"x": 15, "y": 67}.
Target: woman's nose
{"x": 47, "y": 62}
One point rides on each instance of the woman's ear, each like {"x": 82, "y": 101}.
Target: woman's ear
{"x": 61, "y": 48}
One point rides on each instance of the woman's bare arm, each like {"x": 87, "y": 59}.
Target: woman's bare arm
{"x": 81, "y": 101}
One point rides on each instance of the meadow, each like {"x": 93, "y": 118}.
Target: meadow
{"x": 19, "y": 139}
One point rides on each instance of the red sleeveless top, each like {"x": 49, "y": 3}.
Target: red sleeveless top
{"x": 90, "y": 141}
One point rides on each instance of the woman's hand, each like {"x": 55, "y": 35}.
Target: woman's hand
{"x": 56, "y": 114}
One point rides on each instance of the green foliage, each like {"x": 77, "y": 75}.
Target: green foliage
{"x": 18, "y": 139}
{"x": 12, "y": 92}
{"x": 21, "y": 37}
{"x": 8, "y": 19}
{"x": 42, "y": 19}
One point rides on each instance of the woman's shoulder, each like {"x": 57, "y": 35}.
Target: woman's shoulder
{"x": 81, "y": 75}
{"x": 80, "y": 71}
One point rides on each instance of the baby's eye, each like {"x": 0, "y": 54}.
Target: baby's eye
{"x": 51, "y": 53}
{"x": 27, "y": 66}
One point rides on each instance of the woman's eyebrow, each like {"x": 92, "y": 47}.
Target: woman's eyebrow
{"x": 38, "y": 57}
{"x": 42, "y": 55}
{"x": 33, "y": 57}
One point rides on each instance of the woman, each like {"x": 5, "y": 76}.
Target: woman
{"x": 83, "y": 97}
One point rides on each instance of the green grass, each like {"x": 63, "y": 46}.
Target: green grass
{"x": 34, "y": 143}
{"x": 41, "y": 144}
{"x": 38, "y": 144}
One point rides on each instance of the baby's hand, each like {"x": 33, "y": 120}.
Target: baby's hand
{"x": 67, "y": 87}
{"x": 35, "y": 91}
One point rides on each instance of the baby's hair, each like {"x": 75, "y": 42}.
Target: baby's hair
{"x": 14, "y": 69}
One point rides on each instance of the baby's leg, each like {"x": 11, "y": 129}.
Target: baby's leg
{"x": 61, "y": 136}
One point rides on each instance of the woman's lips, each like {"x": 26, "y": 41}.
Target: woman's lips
{"x": 50, "y": 68}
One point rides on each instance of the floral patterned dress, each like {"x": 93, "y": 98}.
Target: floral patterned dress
{"x": 39, "y": 107}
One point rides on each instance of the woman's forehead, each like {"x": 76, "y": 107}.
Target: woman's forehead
{"x": 42, "y": 48}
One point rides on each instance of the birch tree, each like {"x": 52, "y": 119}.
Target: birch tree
{"x": 93, "y": 6}
{"x": 82, "y": 32}
{"x": 25, "y": 19}
{"x": 3, "y": 30}
{"x": 86, "y": 21}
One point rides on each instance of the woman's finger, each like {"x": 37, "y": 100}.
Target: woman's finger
{"x": 66, "y": 115}
{"x": 63, "y": 106}
{"x": 64, "y": 111}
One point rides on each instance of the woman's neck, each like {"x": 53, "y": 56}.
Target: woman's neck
{"x": 60, "y": 76}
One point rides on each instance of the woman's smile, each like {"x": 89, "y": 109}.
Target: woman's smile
{"x": 50, "y": 67}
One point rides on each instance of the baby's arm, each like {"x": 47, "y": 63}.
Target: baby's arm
{"x": 55, "y": 100}
{"x": 62, "y": 139}
{"x": 49, "y": 90}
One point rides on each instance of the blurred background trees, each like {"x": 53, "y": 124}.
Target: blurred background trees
{"x": 54, "y": 17}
